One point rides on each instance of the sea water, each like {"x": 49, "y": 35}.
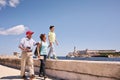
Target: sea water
{"x": 89, "y": 58}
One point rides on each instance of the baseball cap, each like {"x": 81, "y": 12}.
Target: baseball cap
{"x": 29, "y": 32}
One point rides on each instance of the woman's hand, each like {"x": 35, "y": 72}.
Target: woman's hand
{"x": 38, "y": 56}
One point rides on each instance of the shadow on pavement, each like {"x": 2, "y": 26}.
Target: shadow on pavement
{"x": 13, "y": 77}
{"x": 19, "y": 78}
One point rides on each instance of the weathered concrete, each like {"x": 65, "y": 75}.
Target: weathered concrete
{"x": 84, "y": 70}
{"x": 75, "y": 70}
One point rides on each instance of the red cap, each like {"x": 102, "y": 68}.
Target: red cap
{"x": 29, "y": 32}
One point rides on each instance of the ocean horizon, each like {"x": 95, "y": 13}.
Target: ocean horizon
{"x": 75, "y": 58}
{"x": 89, "y": 58}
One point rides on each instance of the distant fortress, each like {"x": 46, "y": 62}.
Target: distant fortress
{"x": 90, "y": 53}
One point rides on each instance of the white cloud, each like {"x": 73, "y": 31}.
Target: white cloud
{"x": 14, "y": 3}
{"x": 16, "y": 30}
{"x": 3, "y": 2}
{"x": 11, "y": 3}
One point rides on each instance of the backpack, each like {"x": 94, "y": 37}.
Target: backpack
{"x": 36, "y": 52}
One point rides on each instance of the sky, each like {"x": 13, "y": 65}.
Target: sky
{"x": 86, "y": 24}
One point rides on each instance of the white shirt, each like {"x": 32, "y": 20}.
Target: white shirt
{"x": 25, "y": 42}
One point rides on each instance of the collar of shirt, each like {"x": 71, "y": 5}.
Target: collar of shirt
{"x": 28, "y": 39}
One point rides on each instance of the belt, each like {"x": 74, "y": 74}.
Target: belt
{"x": 27, "y": 51}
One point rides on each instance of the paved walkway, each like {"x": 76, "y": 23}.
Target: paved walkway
{"x": 7, "y": 73}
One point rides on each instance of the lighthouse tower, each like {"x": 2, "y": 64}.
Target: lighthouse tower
{"x": 74, "y": 49}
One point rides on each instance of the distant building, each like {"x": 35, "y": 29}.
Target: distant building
{"x": 100, "y": 51}
{"x": 107, "y": 51}
{"x": 88, "y": 52}
{"x": 16, "y": 54}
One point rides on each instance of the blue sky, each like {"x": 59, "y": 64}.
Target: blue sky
{"x": 91, "y": 24}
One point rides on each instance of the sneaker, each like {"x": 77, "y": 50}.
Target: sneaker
{"x": 32, "y": 76}
{"x": 56, "y": 58}
{"x": 45, "y": 76}
{"x": 23, "y": 76}
{"x": 49, "y": 57}
{"x": 40, "y": 75}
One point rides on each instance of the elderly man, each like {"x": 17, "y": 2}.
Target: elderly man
{"x": 26, "y": 46}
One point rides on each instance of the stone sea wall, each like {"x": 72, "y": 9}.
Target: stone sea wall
{"x": 74, "y": 69}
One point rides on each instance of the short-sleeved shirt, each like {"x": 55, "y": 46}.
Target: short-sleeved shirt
{"x": 25, "y": 42}
{"x": 52, "y": 36}
{"x": 44, "y": 46}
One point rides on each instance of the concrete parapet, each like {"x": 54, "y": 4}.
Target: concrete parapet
{"x": 74, "y": 69}
{"x": 12, "y": 62}
{"x": 84, "y": 70}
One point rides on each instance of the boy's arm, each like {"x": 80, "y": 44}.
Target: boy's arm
{"x": 49, "y": 38}
{"x": 56, "y": 41}
{"x": 49, "y": 41}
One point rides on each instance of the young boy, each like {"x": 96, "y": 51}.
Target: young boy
{"x": 52, "y": 39}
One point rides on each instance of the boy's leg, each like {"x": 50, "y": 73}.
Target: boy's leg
{"x": 50, "y": 51}
{"x": 53, "y": 51}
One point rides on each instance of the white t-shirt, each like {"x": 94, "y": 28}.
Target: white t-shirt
{"x": 25, "y": 42}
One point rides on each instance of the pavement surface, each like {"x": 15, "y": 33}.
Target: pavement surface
{"x": 8, "y": 73}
